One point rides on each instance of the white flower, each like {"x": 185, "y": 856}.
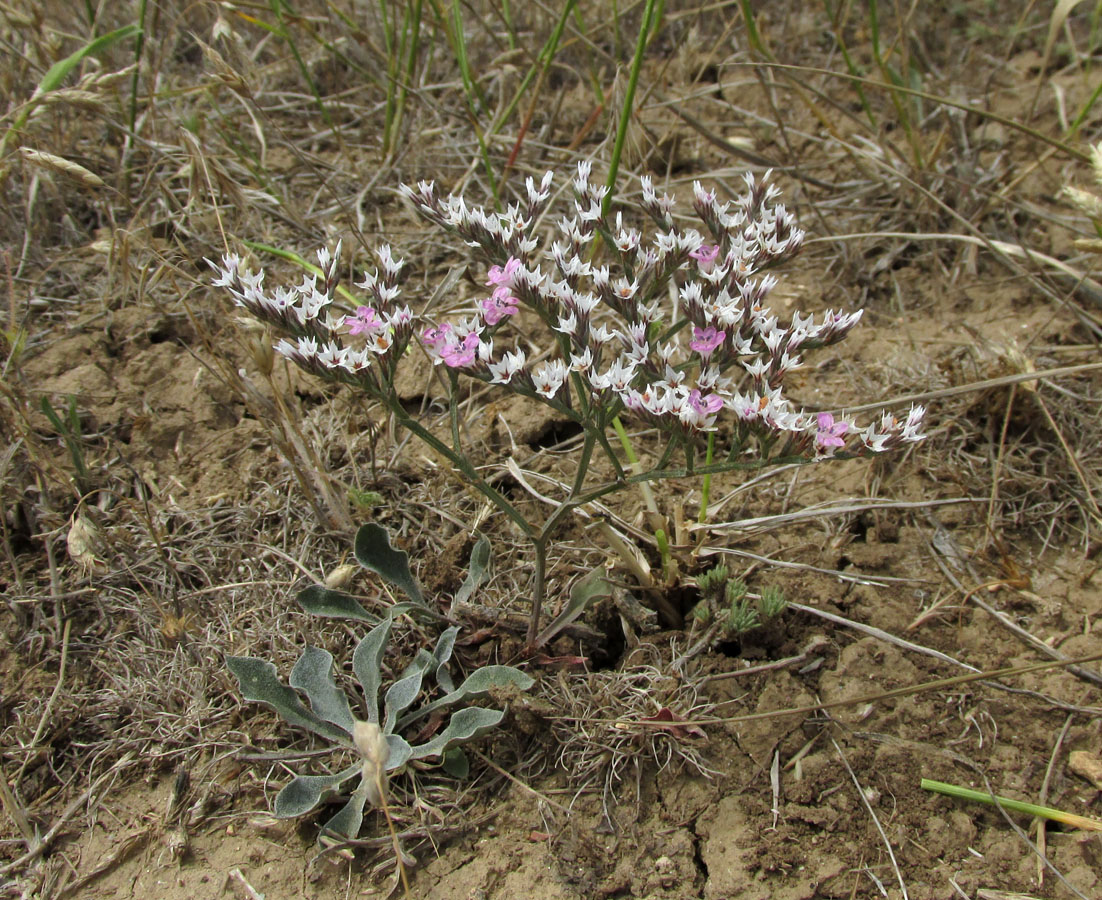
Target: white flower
{"x": 332, "y": 355}
{"x": 757, "y": 369}
{"x": 601, "y": 335}
{"x": 550, "y": 378}
{"x": 581, "y": 362}
{"x": 510, "y": 364}
{"x": 567, "y": 324}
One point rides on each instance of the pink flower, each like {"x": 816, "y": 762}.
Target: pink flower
{"x": 705, "y": 340}
{"x": 706, "y": 256}
{"x": 456, "y": 356}
{"x": 830, "y": 432}
{"x": 712, "y": 403}
{"x": 504, "y": 277}
{"x": 365, "y": 320}
{"x": 500, "y": 305}
{"x": 432, "y": 338}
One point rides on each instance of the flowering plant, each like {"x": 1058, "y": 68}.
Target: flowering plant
{"x": 672, "y": 332}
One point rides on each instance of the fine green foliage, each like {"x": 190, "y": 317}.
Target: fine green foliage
{"x": 727, "y": 611}
{"x": 380, "y": 739}
{"x": 68, "y": 429}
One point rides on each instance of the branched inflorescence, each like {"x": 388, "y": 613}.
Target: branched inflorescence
{"x": 672, "y": 331}
{"x": 623, "y": 345}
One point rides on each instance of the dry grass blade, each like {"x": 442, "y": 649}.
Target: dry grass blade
{"x": 874, "y": 817}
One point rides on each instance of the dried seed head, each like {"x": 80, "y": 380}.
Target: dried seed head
{"x": 340, "y": 577}
{"x": 374, "y": 750}
{"x": 64, "y": 166}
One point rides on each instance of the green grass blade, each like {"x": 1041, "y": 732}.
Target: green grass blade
{"x": 291, "y": 256}
{"x": 139, "y": 47}
{"x": 278, "y": 7}
{"x": 650, "y": 19}
{"x": 57, "y": 73}
{"x": 1030, "y": 809}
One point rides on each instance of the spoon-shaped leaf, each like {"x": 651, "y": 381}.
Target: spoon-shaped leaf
{"x": 464, "y": 725}
{"x": 259, "y": 682}
{"x": 443, "y": 652}
{"x": 400, "y": 696}
{"x": 305, "y": 792}
{"x": 313, "y": 674}
{"x": 346, "y": 823}
{"x": 478, "y": 684}
{"x": 330, "y": 604}
{"x": 367, "y": 662}
{"x": 373, "y": 551}
{"x": 399, "y": 752}
{"x": 480, "y": 559}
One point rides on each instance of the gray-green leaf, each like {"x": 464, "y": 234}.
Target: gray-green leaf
{"x": 443, "y": 652}
{"x": 480, "y": 559}
{"x": 259, "y": 682}
{"x": 346, "y": 823}
{"x": 305, "y": 792}
{"x": 584, "y": 592}
{"x": 465, "y": 725}
{"x": 373, "y": 551}
{"x": 399, "y": 752}
{"x": 313, "y": 674}
{"x": 330, "y": 604}
{"x": 400, "y": 696}
{"x": 455, "y": 763}
{"x": 478, "y": 684}
{"x": 367, "y": 662}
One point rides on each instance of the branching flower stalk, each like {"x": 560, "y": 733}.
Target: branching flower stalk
{"x": 620, "y": 347}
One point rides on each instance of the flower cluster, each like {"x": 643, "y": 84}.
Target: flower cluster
{"x": 672, "y": 330}
{"x": 317, "y": 339}
{"x": 621, "y": 344}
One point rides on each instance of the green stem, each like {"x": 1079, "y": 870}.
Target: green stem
{"x": 453, "y": 412}
{"x": 139, "y": 45}
{"x": 629, "y": 451}
{"x": 411, "y": 65}
{"x": 542, "y": 62}
{"x": 649, "y": 17}
{"x": 663, "y": 552}
{"x": 538, "y": 589}
{"x": 539, "y": 543}
{"x": 1044, "y": 812}
{"x": 706, "y": 485}
{"x": 461, "y": 463}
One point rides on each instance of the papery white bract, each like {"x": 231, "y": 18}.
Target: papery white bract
{"x": 616, "y": 342}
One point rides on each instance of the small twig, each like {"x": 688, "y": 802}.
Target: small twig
{"x": 11, "y": 805}
{"x": 520, "y": 784}
{"x": 57, "y": 687}
{"x": 1034, "y": 642}
{"x": 1042, "y": 796}
{"x": 875, "y": 820}
{"x": 880, "y": 634}
{"x": 123, "y": 850}
{"x": 55, "y": 831}
{"x": 907, "y": 691}
{"x": 235, "y": 874}
{"x": 814, "y": 645}
{"x": 1025, "y": 837}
